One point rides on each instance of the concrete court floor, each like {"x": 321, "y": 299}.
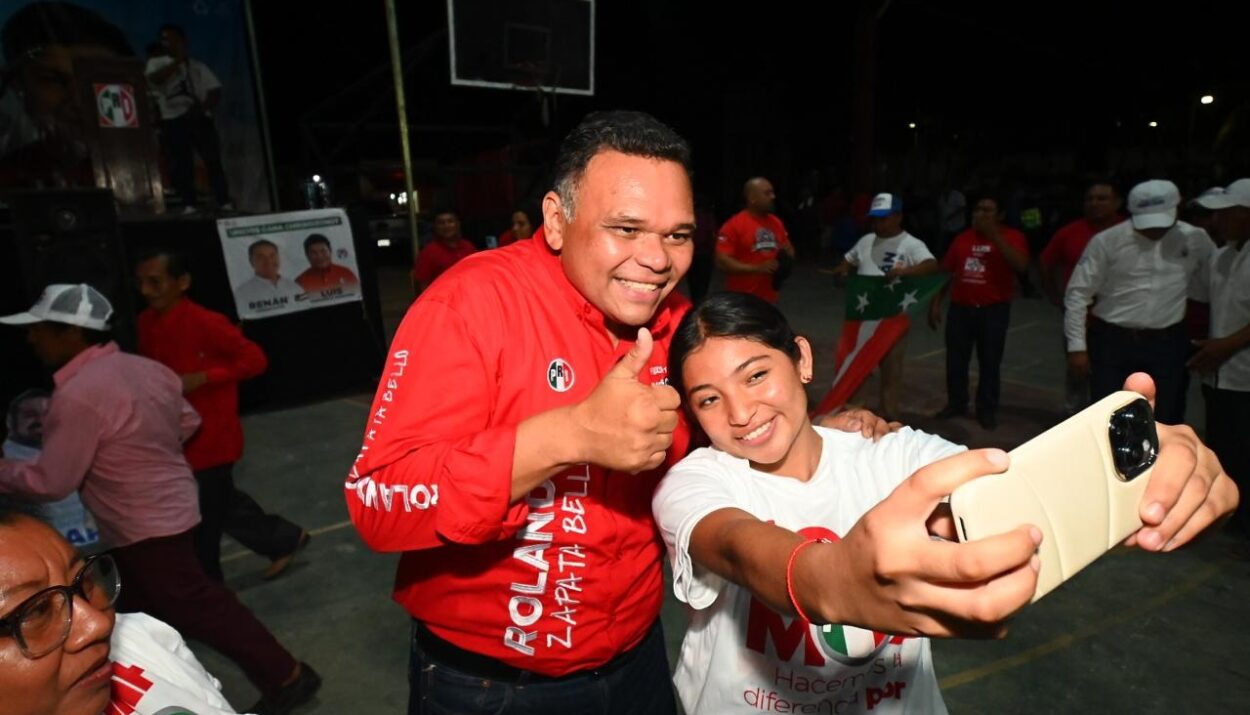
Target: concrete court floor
{"x": 1134, "y": 633}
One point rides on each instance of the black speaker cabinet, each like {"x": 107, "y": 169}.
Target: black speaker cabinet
{"x": 68, "y": 236}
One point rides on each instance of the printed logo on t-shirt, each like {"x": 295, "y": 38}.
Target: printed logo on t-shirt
{"x": 765, "y": 240}
{"x": 801, "y": 642}
{"x": 889, "y": 260}
{"x": 560, "y": 375}
{"x": 973, "y": 265}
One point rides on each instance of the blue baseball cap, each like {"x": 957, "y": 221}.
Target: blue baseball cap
{"x": 885, "y": 204}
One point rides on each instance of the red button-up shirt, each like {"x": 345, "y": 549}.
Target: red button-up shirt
{"x": 563, "y": 580}
{"x": 191, "y": 338}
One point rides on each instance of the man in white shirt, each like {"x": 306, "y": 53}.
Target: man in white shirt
{"x": 1224, "y": 360}
{"x": 187, "y": 94}
{"x": 267, "y": 289}
{"x": 1138, "y": 276}
{"x": 889, "y": 251}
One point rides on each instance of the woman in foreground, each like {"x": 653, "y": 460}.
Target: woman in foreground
{"x": 780, "y": 528}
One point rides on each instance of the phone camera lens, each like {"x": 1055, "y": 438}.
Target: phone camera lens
{"x": 1134, "y": 442}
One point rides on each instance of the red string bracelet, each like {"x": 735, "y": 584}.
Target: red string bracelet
{"x": 790, "y": 575}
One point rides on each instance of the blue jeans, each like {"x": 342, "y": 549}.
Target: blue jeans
{"x": 639, "y": 684}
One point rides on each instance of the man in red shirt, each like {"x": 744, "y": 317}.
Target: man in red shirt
{"x": 447, "y": 248}
{"x": 983, "y": 262}
{"x": 1059, "y": 259}
{"x": 749, "y": 243}
{"x": 211, "y": 356}
{"x": 323, "y": 274}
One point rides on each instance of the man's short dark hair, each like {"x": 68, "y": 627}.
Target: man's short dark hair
{"x": 627, "y": 132}
{"x": 176, "y": 29}
{"x": 990, "y": 195}
{"x": 59, "y": 23}
{"x": 315, "y": 238}
{"x": 251, "y": 250}
{"x": 175, "y": 262}
{"x": 1109, "y": 183}
{"x": 445, "y": 210}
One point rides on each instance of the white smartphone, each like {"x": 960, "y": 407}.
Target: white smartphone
{"x": 1080, "y": 482}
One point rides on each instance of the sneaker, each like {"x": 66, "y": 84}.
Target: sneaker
{"x": 291, "y": 695}
{"x": 228, "y": 206}
{"x": 988, "y": 421}
{"x": 188, "y": 210}
{"x": 950, "y": 411}
{"x": 280, "y": 564}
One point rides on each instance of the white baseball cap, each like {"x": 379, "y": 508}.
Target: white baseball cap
{"x": 1236, "y": 194}
{"x": 1153, "y": 204}
{"x": 66, "y": 303}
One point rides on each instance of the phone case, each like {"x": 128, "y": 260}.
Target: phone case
{"x": 1065, "y": 482}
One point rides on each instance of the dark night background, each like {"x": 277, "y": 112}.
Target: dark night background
{"x": 1047, "y": 90}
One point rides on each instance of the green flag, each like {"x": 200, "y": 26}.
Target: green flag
{"x": 878, "y": 297}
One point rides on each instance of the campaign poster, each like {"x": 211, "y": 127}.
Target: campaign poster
{"x": 287, "y": 262}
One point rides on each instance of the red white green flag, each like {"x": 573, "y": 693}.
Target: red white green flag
{"x": 876, "y": 317}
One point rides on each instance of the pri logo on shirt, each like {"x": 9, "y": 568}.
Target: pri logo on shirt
{"x": 560, "y": 375}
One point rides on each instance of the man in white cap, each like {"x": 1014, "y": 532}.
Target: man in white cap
{"x": 1140, "y": 273}
{"x": 114, "y": 431}
{"x": 1224, "y": 359}
{"x": 889, "y": 251}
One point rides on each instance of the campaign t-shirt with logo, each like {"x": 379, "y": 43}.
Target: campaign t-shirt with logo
{"x": 875, "y": 256}
{"x": 564, "y": 579}
{"x": 155, "y": 673}
{"x": 740, "y": 656}
{"x": 980, "y": 274}
{"x": 753, "y": 240}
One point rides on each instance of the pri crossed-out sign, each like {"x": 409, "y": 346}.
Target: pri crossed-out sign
{"x": 115, "y": 106}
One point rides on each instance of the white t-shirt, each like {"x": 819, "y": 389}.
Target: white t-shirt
{"x": 1230, "y": 312}
{"x": 183, "y": 89}
{"x": 155, "y": 673}
{"x": 262, "y": 295}
{"x": 739, "y": 656}
{"x": 874, "y": 256}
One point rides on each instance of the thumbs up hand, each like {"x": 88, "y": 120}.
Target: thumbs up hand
{"x": 627, "y": 426}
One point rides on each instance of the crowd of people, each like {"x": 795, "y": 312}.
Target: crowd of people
{"x": 600, "y": 421}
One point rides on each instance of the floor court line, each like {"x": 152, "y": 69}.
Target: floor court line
{"x": 1068, "y": 640}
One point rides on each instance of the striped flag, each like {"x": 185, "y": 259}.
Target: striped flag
{"x": 876, "y": 317}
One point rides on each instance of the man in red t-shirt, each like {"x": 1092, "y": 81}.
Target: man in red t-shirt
{"x": 211, "y": 356}
{"x": 748, "y": 244}
{"x": 445, "y": 251}
{"x": 983, "y": 262}
{"x": 323, "y": 274}
{"x": 1059, "y": 259}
